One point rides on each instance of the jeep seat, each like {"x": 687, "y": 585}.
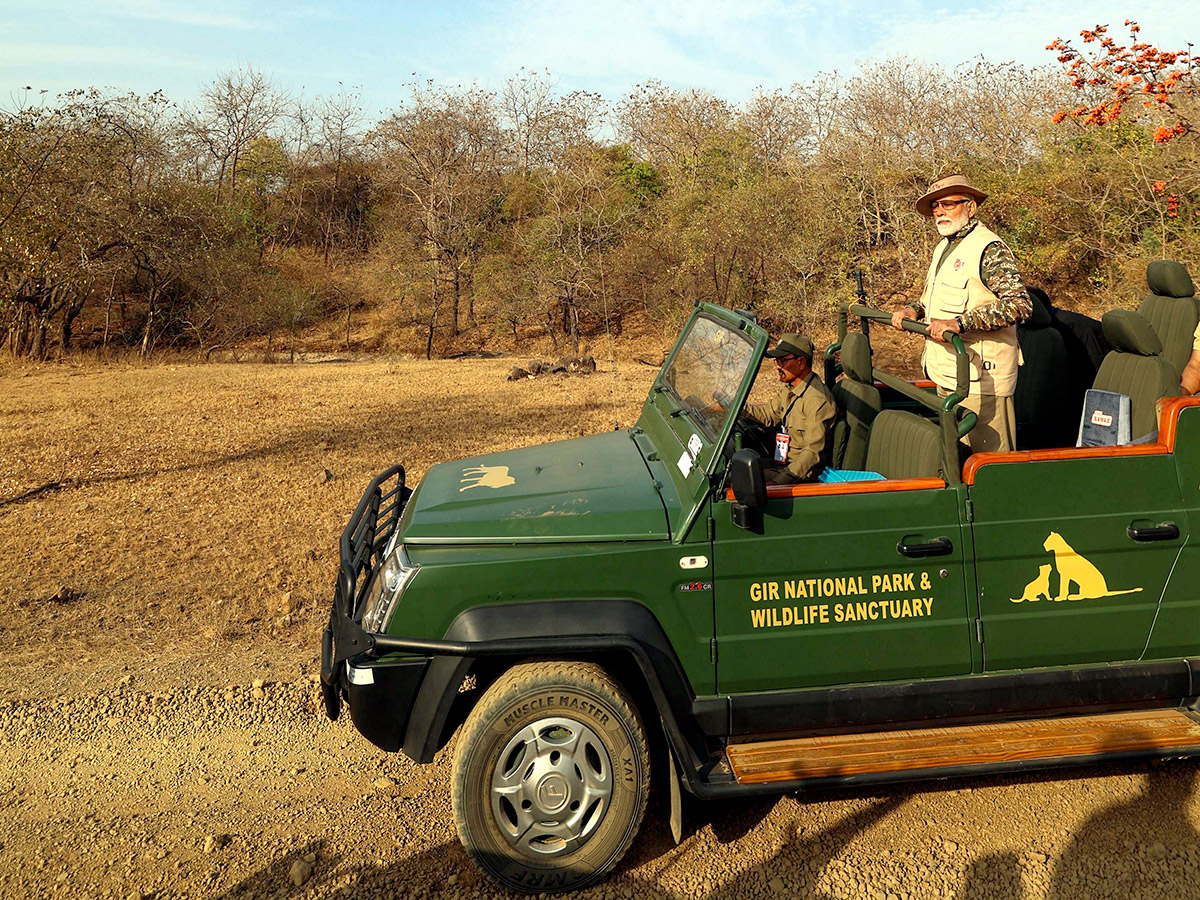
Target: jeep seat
{"x": 858, "y": 404}
{"x": 1171, "y": 309}
{"x": 1136, "y": 367}
{"x": 1047, "y": 408}
{"x": 904, "y": 445}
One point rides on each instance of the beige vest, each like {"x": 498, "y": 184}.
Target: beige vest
{"x": 957, "y": 288}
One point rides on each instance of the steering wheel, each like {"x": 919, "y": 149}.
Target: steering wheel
{"x": 756, "y": 436}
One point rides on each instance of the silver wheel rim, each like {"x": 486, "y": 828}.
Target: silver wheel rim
{"x": 551, "y": 787}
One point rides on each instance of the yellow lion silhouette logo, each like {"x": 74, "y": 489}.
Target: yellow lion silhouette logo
{"x": 1073, "y": 570}
{"x": 1038, "y": 588}
{"x": 486, "y": 476}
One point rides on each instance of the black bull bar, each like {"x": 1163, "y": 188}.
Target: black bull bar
{"x": 362, "y": 548}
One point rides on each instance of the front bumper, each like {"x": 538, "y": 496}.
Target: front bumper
{"x": 363, "y": 544}
{"x": 381, "y": 696}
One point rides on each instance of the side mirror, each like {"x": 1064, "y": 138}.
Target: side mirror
{"x": 749, "y": 488}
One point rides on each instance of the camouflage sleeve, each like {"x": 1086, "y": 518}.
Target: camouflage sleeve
{"x": 998, "y": 271}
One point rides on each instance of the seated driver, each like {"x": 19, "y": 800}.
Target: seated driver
{"x": 802, "y": 414}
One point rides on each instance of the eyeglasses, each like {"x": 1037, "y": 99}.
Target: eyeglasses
{"x": 948, "y": 205}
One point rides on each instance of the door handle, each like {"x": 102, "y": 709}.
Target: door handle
{"x": 1164, "y": 531}
{"x": 939, "y": 546}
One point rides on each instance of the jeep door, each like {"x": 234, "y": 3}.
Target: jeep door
{"x": 842, "y": 583}
{"x": 1073, "y": 553}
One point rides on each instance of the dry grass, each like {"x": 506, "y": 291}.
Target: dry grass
{"x": 152, "y": 512}
{"x": 186, "y": 509}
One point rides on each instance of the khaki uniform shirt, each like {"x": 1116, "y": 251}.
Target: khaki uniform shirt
{"x": 806, "y": 412}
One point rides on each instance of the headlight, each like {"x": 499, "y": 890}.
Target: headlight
{"x": 385, "y": 589}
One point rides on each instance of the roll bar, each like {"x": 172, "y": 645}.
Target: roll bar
{"x": 954, "y": 420}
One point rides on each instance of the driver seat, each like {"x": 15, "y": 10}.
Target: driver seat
{"x": 858, "y": 402}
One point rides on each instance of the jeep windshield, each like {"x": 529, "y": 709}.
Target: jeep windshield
{"x": 707, "y": 370}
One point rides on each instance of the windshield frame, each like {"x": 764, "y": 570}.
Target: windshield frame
{"x": 680, "y": 417}
{"x": 710, "y": 409}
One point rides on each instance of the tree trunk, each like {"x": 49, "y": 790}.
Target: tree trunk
{"x": 149, "y": 326}
{"x": 469, "y": 289}
{"x": 107, "y": 320}
{"x": 330, "y": 208}
{"x": 571, "y": 321}
{"x": 70, "y": 312}
{"x": 37, "y": 347}
{"x": 433, "y": 308}
{"x": 21, "y": 329}
{"x": 233, "y": 173}
{"x": 457, "y": 287}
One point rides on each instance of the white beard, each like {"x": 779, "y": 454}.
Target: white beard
{"x": 958, "y": 221}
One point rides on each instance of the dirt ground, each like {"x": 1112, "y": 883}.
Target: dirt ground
{"x": 169, "y": 538}
{"x": 241, "y": 791}
{"x": 175, "y": 512}
{"x": 151, "y": 516}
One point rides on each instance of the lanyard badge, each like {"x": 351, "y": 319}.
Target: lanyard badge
{"x": 783, "y": 440}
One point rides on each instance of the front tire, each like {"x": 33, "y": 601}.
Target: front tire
{"x": 551, "y": 777}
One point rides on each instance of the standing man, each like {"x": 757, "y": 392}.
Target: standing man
{"x": 973, "y": 289}
{"x": 802, "y": 414}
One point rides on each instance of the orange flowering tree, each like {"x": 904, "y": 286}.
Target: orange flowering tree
{"x": 1111, "y": 75}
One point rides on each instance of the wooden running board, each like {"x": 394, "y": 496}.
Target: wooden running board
{"x": 962, "y": 745}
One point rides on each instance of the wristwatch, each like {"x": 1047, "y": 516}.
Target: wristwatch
{"x": 961, "y": 327}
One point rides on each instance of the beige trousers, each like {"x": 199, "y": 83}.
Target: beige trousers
{"x": 996, "y": 429}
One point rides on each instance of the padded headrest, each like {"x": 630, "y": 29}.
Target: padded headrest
{"x": 1129, "y": 332}
{"x": 1168, "y": 278}
{"x": 856, "y": 357}
{"x": 1040, "y": 317}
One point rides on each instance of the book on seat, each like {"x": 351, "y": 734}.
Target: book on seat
{"x": 1105, "y": 419}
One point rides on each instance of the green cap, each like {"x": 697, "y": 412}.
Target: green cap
{"x": 793, "y": 345}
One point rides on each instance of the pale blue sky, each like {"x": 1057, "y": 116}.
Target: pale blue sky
{"x": 728, "y": 48}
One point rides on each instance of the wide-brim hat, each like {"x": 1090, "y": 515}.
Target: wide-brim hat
{"x": 951, "y": 184}
{"x": 792, "y": 345}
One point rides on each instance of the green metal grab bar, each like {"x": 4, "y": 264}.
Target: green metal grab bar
{"x": 955, "y": 421}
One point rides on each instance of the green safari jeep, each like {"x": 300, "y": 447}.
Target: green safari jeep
{"x": 585, "y": 611}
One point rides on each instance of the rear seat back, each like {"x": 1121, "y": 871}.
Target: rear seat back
{"x": 904, "y": 445}
{"x": 1171, "y": 309}
{"x": 1046, "y": 406}
{"x": 1136, "y": 367}
{"x": 858, "y": 402}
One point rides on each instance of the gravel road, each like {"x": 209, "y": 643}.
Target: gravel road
{"x": 136, "y": 791}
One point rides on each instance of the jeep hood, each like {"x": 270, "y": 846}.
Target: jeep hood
{"x": 585, "y": 489}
